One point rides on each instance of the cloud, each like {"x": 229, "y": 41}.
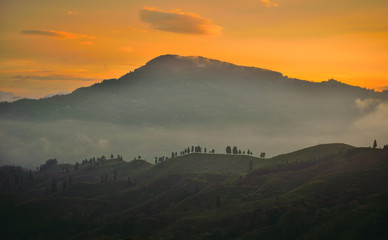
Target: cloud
{"x": 51, "y": 77}
{"x": 8, "y": 97}
{"x": 57, "y": 34}
{"x": 126, "y": 49}
{"x": 72, "y": 12}
{"x": 373, "y": 122}
{"x": 268, "y": 3}
{"x": 179, "y": 22}
{"x": 138, "y": 30}
{"x": 367, "y": 104}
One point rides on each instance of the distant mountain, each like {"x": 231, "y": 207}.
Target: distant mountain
{"x": 172, "y": 89}
{"x": 174, "y": 102}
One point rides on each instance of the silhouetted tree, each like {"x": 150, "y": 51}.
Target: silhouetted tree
{"x": 53, "y": 185}
{"x": 228, "y": 150}
{"x": 156, "y": 160}
{"x": 30, "y": 175}
{"x": 218, "y": 201}
{"x": 239, "y": 151}
{"x": 375, "y": 144}
{"x": 111, "y": 156}
{"x": 64, "y": 184}
{"x": 204, "y": 150}
{"x": 262, "y": 155}
{"x": 235, "y": 151}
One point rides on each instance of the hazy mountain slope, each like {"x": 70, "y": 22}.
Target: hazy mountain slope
{"x": 169, "y": 89}
{"x": 175, "y": 101}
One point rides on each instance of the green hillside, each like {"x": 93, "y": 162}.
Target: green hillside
{"x": 202, "y": 163}
{"x": 327, "y": 191}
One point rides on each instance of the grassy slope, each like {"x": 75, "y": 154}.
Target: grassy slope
{"x": 330, "y": 189}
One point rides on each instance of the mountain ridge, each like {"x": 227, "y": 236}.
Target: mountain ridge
{"x": 188, "y": 101}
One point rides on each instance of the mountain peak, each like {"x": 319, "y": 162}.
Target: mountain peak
{"x": 177, "y": 63}
{"x": 169, "y": 59}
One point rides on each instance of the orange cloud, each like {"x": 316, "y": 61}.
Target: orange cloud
{"x": 126, "y": 49}
{"x": 179, "y": 22}
{"x": 47, "y": 76}
{"x": 57, "y": 34}
{"x": 268, "y": 3}
{"x": 72, "y": 12}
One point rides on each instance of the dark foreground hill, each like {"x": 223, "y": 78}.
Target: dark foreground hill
{"x": 330, "y": 191}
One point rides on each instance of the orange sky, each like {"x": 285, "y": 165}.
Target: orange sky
{"x": 50, "y": 46}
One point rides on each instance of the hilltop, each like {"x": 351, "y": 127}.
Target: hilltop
{"x": 314, "y": 193}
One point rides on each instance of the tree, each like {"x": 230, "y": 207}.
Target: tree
{"x": 375, "y": 144}
{"x": 64, "y": 184}
{"x": 30, "y": 175}
{"x": 235, "y": 151}
{"x": 111, "y": 156}
{"x": 218, "y": 201}
{"x": 228, "y": 150}
{"x": 262, "y": 155}
{"x": 53, "y": 185}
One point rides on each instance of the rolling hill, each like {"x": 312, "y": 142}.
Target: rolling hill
{"x": 330, "y": 190}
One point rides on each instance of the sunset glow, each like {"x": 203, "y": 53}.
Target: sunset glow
{"x": 49, "y": 47}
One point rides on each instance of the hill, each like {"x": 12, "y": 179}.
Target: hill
{"x": 174, "y": 101}
{"x": 325, "y": 191}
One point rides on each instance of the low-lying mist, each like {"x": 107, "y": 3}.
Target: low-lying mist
{"x": 30, "y": 143}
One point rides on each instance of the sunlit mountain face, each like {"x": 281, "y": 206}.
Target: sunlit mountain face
{"x": 174, "y": 100}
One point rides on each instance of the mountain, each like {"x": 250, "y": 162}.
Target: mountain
{"x": 326, "y": 191}
{"x": 174, "y": 101}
